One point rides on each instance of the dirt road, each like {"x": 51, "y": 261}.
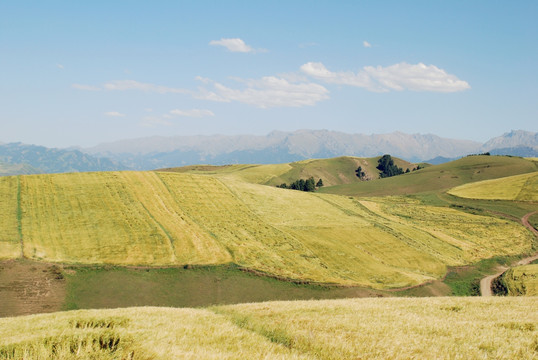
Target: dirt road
{"x": 485, "y": 283}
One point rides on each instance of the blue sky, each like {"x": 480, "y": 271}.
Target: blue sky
{"x": 81, "y": 73}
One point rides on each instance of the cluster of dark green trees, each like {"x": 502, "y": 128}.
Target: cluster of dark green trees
{"x": 387, "y": 168}
{"x": 303, "y": 185}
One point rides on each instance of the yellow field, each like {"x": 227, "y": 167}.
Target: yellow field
{"x": 522, "y": 280}
{"x": 519, "y": 187}
{"x": 163, "y": 218}
{"x": 389, "y": 328}
{"x": 9, "y": 224}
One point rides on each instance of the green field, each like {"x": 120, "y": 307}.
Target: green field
{"x": 334, "y": 171}
{"x": 171, "y": 219}
{"x": 522, "y": 280}
{"x": 440, "y": 177}
{"x": 518, "y": 187}
{"x": 395, "y": 328}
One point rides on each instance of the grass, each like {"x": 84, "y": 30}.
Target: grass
{"x": 440, "y": 177}
{"x": 9, "y": 234}
{"x": 333, "y": 171}
{"x": 517, "y": 187}
{"x": 533, "y": 220}
{"x": 395, "y": 328}
{"x": 171, "y": 219}
{"x": 465, "y": 281}
{"x": 522, "y": 280}
{"x": 112, "y": 287}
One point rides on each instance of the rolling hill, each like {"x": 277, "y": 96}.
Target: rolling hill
{"x": 440, "y": 177}
{"x": 518, "y": 187}
{"x": 334, "y": 171}
{"x": 176, "y": 219}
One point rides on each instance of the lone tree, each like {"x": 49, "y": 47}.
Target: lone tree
{"x": 360, "y": 174}
{"x": 387, "y": 167}
{"x": 320, "y": 183}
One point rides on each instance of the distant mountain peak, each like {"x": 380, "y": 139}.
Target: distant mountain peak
{"x": 512, "y": 139}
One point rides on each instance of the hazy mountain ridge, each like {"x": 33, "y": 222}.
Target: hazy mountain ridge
{"x": 513, "y": 139}
{"x": 20, "y": 158}
{"x": 278, "y": 146}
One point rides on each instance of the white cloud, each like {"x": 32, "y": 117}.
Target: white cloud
{"x": 320, "y": 72}
{"x": 417, "y": 77}
{"x": 85, "y": 87}
{"x": 396, "y": 77}
{"x": 196, "y": 113}
{"x": 267, "y": 92}
{"x": 59, "y": 66}
{"x": 114, "y": 114}
{"x": 235, "y": 45}
{"x": 122, "y": 85}
{"x": 366, "y": 44}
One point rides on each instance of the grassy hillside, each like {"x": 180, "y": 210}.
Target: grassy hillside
{"x": 522, "y": 280}
{"x": 397, "y": 328}
{"x": 334, "y": 171}
{"x": 160, "y": 219}
{"x": 518, "y": 187}
{"x": 440, "y": 177}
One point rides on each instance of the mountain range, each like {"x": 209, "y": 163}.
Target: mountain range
{"x": 276, "y": 147}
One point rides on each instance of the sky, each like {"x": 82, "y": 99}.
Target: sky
{"x": 80, "y": 73}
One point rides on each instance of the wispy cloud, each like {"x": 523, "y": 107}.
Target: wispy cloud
{"x": 59, "y": 66}
{"x": 114, "y": 114}
{"x": 396, "y": 77}
{"x": 195, "y": 113}
{"x": 267, "y": 92}
{"x": 235, "y": 45}
{"x": 366, "y": 44}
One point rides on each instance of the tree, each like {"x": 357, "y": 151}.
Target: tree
{"x": 310, "y": 185}
{"x": 387, "y": 167}
{"x": 360, "y": 174}
{"x": 320, "y": 183}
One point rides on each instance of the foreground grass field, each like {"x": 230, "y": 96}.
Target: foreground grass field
{"x": 162, "y": 219}
{"x": 519, "y": 187}
{"x": 440, "y": 328}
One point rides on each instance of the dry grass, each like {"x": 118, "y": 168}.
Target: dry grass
{"x": 149, "y": 218}
{"x": 9, "y": 214}
{"x": 433, "y": 328}
{"x": 522, "y": 280}
{"x": 471, "y": 237}
{"x": 395, "y": 328}
{"x": 519, "y": 187}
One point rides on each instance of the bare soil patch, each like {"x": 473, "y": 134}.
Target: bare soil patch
{"x": 28, "y": 287}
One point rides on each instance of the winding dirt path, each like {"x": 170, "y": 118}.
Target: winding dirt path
{"x": 485, "y": 283}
